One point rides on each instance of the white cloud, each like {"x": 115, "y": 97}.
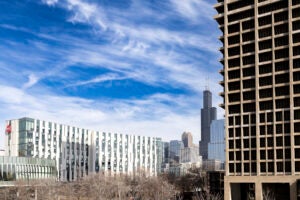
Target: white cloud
{"x": 146, "y": 52}
{"x": 194, "y": 10}
{"x": 50, "y": 2}
{"x": 32, "y": 80}
{"x": 151, "y": 116}
{"x": 100, "y": 79}
{"x": 86, "y": 12}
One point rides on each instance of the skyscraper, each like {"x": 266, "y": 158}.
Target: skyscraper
{"x": 261, "y": 58}
{"x": 208, "y": 113}
{"x": 187, "y": 139}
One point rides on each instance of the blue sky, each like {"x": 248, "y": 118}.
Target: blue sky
{"x": 127, "y": 66}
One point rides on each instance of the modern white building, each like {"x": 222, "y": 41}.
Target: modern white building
{"x": 79, "y": 152}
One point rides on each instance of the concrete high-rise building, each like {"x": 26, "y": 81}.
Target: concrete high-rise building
{"x": 187, "y": 139}
{"x": 78, "y": 151}
{"x": 261, "y": 58}
{"x": 208, "y": 113}
{"x": 216, "y": 146}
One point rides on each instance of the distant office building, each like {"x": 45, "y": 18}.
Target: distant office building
{"x": 187, "y": 139}
{"x": 78, "y": 151}
{"x": 189, "y": 152}
{"x": 216, "y": 146}
{"x": 175, "y": 147}
{"x": 166, "y": 152}
{"x": 208, "y": 113}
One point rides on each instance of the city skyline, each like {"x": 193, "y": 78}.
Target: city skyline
{"x": 121, "y": 66}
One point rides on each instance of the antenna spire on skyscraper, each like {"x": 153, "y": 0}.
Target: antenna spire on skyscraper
{"x": 207, "y": 83}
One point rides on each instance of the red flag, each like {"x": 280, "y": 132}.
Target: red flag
{"x": 8, "y": 128}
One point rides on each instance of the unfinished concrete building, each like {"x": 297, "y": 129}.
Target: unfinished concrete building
{"x": 261, "y": 48}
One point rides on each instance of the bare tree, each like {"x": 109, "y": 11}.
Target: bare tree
{"x": 268, "y": 194}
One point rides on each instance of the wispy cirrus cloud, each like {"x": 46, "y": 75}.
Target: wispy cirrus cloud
{"x": 32, "y": 79}
{"x": 62, "y": 56}
{"x": 132, "y": 116}
{"x": 198, "y": 11}
{"x": 50, "y": 2}
{"x": 100, "y": 79}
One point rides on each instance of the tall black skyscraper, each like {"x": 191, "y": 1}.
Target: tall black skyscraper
{"x": 208, "y": 113}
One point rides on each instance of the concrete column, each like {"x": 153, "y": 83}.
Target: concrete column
{"x": 227, "y": 189}
{"x": 258, "y": 191}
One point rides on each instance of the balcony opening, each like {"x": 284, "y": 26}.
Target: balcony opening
{"x": 282, "y": 91}
{"x": 296, "y": 12}
{"x": 296, "y": 25}
{"x": 266, "y": 44}
{"x": 234, "y": 40}
{"x": 248, "y": 24}
{"x": 296, "y": 37}
{"x": 266, "y": 93}
{"x": 272, "y": 7}
{"x": 249, "y": 107}
{"x": 281, "y": 41}
{"x": 234, "y": 62}
{"x": 234, "y": 28}
{"x": 265, "y": 20}
{"x": 264, "y": 81}
{"x": 267, "y": 56}
{"x": 266, "y": 105}
{"x": 296, "y": 50}
{"x": 250, "y": 83}
{"x": 233, "y": 51}
{"x": 249, "y": 95}
{"x": 249, "y": 36}
{"x": 266, "y": 32}
{"x": 241, "y": 15}
{"x": 239, "y": 4}
{"x": 250, "y": 71}
{"x": 282, "y": 53}
{"x": 247, "y": 60}
{"x": 282, "y": 78}
{"x": 248, "y": 48}
{"x": 281, "y": 16}
{"x": 264, "y": 69}
{"x": 282, "y": 66}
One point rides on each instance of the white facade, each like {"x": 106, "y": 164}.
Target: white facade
{"x": 2, "y": 152}
{"x": 80, "y": 151}
{"x": 190, "y": 155}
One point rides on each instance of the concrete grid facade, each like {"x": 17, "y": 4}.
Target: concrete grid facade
{"x": 261, "y": 58}
{"x": 79, "y": 152}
